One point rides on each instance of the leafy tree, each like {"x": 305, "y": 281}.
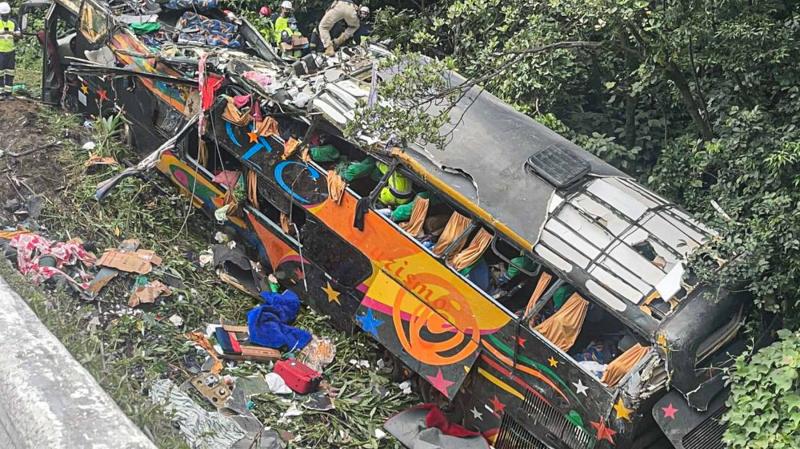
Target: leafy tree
{"x": 765, "y": 396}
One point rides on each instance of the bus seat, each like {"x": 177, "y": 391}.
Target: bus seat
{"x": 454, "y": 228}
{"x": 563, "y": 327}
{"x": 617, "y": 369}
{"x": 473, "y": 252}
{"x": 414, "y": 225}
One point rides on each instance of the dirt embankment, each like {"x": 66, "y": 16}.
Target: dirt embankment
{"x": 31, "y": 162}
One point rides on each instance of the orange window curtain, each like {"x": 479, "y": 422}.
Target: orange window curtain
{"x": 617, "y": 369}
{"x": 267, "y": 127}
{"x": 563, "y": 327}
{"x": 289, "y": 147}
{"x": 454, "y": 228}
{"x": 233, "y": 115}
{"x": 541, "y": 285}
{"x": 414, "y": 225}
{"x": 336, "y": 186}
{"x": 473, "y": 252}
{"x": 252, "y": 188}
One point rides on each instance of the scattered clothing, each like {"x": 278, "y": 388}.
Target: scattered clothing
{"x": 411, "y": 429}
{"x": 42, "y": 259}
{"x": 198, "y": 5}
{"x": 269, "y": 323}
{"x": 436, "y": 418}
{"x": 201, "y": 30}
{"x": 145, "y": 27}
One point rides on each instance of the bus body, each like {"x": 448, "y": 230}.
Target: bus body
{"x": 599, "y": 340}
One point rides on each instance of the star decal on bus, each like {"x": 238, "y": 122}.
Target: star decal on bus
{"x": 369, "y": 323}
{"x": 669, "y": 411}
{"x": 622, "y": 411}
{"x": 580, "y": 387}
{"x": 331, "y": 293}
{"x": 439, "y": 382}
{"x": 497, "y": 407}
{"x": 603, "y": 432}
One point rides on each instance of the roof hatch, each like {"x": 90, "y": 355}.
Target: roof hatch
{"x": 558, "y": 165}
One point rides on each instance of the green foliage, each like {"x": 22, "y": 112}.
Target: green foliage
{"x": 765, "y": 398}
{"x": 419, "y": 106}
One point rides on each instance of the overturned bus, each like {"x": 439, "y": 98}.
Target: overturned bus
{"x": 538, "y": 290}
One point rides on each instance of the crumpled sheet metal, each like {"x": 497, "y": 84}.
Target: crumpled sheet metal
{"x": 202, "y": 429}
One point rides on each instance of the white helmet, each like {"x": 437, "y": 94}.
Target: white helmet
{"x": 363, "y": 11}
{"x": 5, "y": 8}
{"x": 286, "y": 4}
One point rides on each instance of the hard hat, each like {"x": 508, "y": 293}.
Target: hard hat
{"x": 5, "y": 8}
{"x": 286, "y": 4}
{"x": 265, "y": 11}
{"x": 363, "y": 11}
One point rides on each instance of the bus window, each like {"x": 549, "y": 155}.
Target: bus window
{"x": 592, "y": 337}
{"x": 345, "y": 264}
{"x": 357, "y": 168}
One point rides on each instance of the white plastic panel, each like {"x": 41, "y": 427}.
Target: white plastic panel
{"x": 605, "y": 296}
{"x": 554, "y": 259}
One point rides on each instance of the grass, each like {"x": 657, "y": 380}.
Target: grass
{"x": 126, "y": 350}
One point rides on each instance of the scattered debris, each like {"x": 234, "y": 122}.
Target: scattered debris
{"x": 201, "y": 428}
{"x": 212, "y": 387}
{"x": 176, "y": 320}
{"x": 42, "y": 259}
{"x": 276, "y": 384}
{"x": 299, "y": 377}
{"x": 141, "y": 261}
{"x": 200, "y": 339}
{"x": 89, "y": 146}
{"x": 146, "y": 292}
{"x": 269, "y": 322}
{"x": 318, "y": 353}
{"x": 426, "y": 426}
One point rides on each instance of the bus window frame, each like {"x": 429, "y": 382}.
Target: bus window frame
{"x": 498, "y": 236}
{"x": 477, "y": 223}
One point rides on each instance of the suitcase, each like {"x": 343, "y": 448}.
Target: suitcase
{"x": 299, "y": 377}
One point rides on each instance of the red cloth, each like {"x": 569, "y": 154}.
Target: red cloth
{"x": 32, "y": 247}
{"x": 436, "y": 418}
{"x": 241, "y": 101}
{"x": 209, "y": 90}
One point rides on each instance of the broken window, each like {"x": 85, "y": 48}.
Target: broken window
{"x": 345, "y": 264}
{"x": 592, "y": 337}
{"x": 94, "y": 22}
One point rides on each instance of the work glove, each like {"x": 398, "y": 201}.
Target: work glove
{"x": 339, "y": 41}
{"x": 329, "y": 51}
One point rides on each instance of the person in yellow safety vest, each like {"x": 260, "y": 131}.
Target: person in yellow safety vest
{"x": 9, "y": 33}
{"x": 280, "y": 21}
{"x": 399, "y": 189}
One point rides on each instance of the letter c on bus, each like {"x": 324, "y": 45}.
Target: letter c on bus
{"x": 279, "y": 178}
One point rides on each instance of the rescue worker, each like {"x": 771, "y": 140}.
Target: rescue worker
{"x": 365, "y": 28}
{"x": 398, "y": 190}
{"x": 340, "y": 10}
{"x": 9, "y": 33}
{"x": 280, "y": 21}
